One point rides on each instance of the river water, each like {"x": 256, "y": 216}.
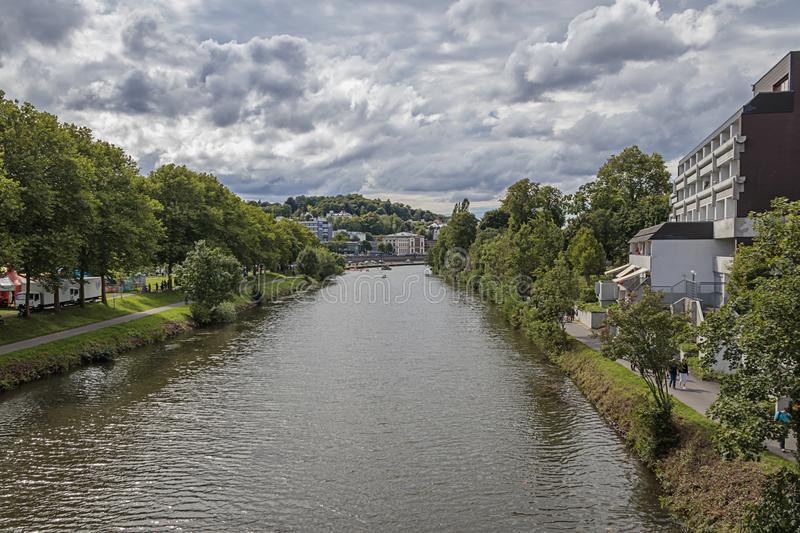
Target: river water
{"x": 395, "y": 404}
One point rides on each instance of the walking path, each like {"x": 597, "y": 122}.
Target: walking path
{"x": 44, "y": 339}
{"x": 699, "y": 395}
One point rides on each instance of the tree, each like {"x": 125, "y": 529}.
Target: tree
{"x": 525, "y": 198}
{"x": 188, "y": 212}
{"x": 10, "y": 208}
{"x": 308, "y": 262}
{"x": 40, "y": 157}
{"x": 552, "y": 297}
{"x": 586, "y": 254}
{"x": 364, "y": 246}
{"x": 756, "y": 332}
{"x": 208, "y": 275}
{"x": 120, "y": 229}
{"x": 648, "y": 336}
{"x": 494, "y": 219}
{"x": 631, "y": 192}
{"x": 536, "y": 245}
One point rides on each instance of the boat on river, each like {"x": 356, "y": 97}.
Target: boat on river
{"x": 386, "y": 267}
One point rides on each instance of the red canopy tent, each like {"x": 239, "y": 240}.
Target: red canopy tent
{"x": 10, "y": 284}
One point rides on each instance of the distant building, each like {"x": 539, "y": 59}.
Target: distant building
{"x": 351, "y": 235}
{"x": 406, "y": 243}
{"x": 340, "y": 214}
{"x": 434, "y": 228}
{"x": 319, "y": 227}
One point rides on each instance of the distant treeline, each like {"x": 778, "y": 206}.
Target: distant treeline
{"x": 354, "y": 204}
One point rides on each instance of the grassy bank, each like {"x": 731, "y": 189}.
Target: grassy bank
{"x": 46, "y": 322}
{"x": 62, "y": 356}
{"x": 706, "y": 492}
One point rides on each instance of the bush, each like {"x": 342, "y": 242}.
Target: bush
{"x": 547, "y": 335}
{"x": 778, "y": 509}
{"x": 224, "y": 312}
{"x": 653, "y": 432}
{"x": 588, "y": 295}
{"x": 201, "y": 315}
{"x": 699, "y": 371}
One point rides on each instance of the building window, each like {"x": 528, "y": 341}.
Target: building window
{"x": 782, "y": 85}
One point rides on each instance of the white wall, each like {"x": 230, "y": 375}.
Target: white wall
{"x": 673, "y": 260}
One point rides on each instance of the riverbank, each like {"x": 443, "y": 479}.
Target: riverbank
{"x": 30, "y": 364}
{"x": 703, "y": 490}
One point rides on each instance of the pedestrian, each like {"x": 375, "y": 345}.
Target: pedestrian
{"x": 673, "y": 373}
{"x": 784, "y": 417}
{"x": 684, "y": 372}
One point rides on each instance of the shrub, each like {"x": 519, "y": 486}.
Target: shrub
{"x": 224, "y": 312}
{"x": 201, "y": 315}
{"x": 653, "y": 432}
{"x": 588, "y": 295}
{"x": 778, "y": 509}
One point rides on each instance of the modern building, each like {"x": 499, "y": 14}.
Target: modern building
{"x": 319, "y": 227}
{"x": 406, "y": 243}
{"x": 752, "y": 158}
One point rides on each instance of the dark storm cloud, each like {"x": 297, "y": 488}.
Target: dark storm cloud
{"x": 49, "y": 22}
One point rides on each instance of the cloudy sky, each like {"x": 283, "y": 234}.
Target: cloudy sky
{"x": 423, "y": 101}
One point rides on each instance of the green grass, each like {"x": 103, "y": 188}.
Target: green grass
{"x": 619, "y": 375}
{"x": 46, "y": 322}
{"x": 61, "y": 356}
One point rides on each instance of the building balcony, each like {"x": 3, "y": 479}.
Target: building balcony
{"x": 706, "y": 161}
{"x": 640, "y": 260}
{"x": 723, "y": 185}
{"x": 705, "y": 193}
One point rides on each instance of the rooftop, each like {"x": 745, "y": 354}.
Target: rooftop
{"x": 676, "y": 231}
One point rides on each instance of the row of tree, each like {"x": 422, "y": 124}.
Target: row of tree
{"x": 354, "y": 204}
{"x": 537, "y": 253}
{"x": 72, "y": 203}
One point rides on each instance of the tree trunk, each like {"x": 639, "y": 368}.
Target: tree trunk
{"x": 56, "y": 294}
{"x": 103, "y": 288}
{"x": 27, "y": 293}
{"x": 81, "y": 293}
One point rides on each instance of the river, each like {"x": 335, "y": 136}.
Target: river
{"x": 397, "y": 404}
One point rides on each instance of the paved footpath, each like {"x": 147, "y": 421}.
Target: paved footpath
{"x": 67, "y": 333}
{"x": 699, "y": 395}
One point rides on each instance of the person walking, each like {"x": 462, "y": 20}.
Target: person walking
{"x": 673, "y": 373}
{"x": 784, "y": 417}
{"x": 684, "y": 372}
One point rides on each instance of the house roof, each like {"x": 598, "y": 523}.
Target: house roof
{"x": 403, "y": 234}
{"x": 676, "y": 231}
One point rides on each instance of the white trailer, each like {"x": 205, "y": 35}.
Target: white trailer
{"x": 40, "y": 298}
{"x": 68, "y": 294}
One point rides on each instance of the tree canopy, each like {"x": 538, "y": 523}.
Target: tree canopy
{"x": 756, "y": 332}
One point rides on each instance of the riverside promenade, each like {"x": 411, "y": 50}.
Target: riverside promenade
{"x": 52, "y": 337}
{"x": 699, "y": 395}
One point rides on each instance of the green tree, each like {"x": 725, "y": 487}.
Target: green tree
{"x": 525, "y": 198}
{"x": 552, "y": 298}
{"x": 648, "y": 336}
{"x": 208, "y": 276}
{"x": 586, "y": 254}
{"x": 364, "y": 246}
{"x": 120, "y": 230}
{"x": 494, "y": 219}
{"x": 756, "y": 332}
{"x": 308, "y": 262}
{"x": 631, "y": 192}
{"x": 10, "y": 208}
{"x": 40, "y": 157}
{"x": 535, "y": 245}
{"x": 188, "y": 213}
